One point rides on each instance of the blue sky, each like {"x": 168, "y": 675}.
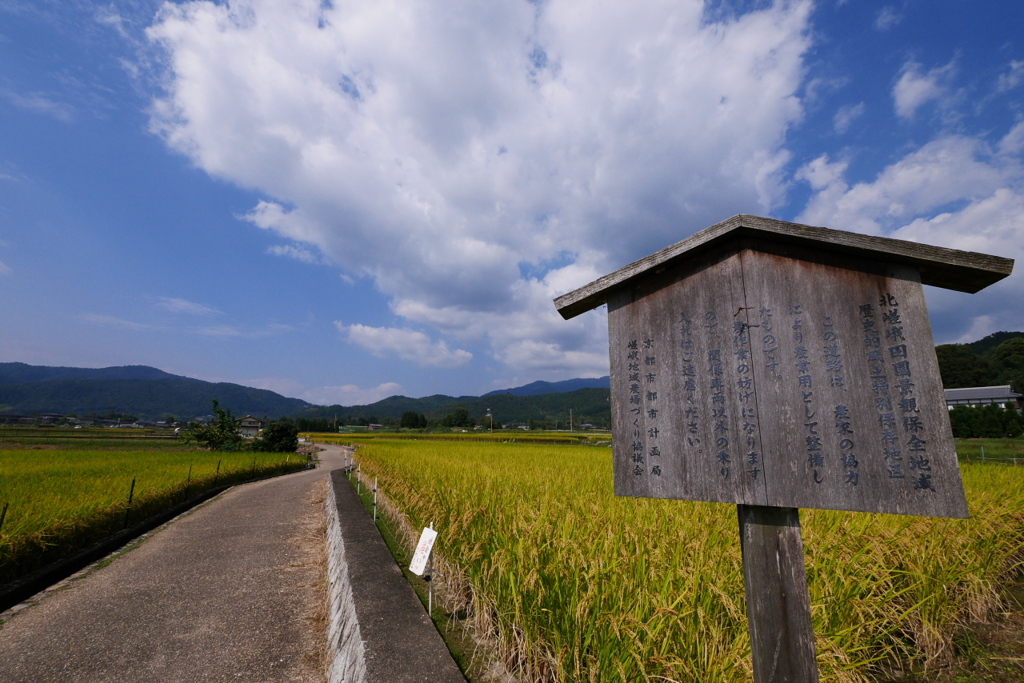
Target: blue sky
{"x": 343, "y": 201}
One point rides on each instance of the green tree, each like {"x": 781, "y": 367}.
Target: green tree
{"x": 219, "y": 435}
{"x": 964, "y": 422}
{"x": 314, "y": 424}
{"x": 1007, "y": 360}
{"x": 280, "y": 436}
{"x": 412, "y": 420}
{"x": 960, "y": 367}
{"x": 458, "y": 418}
{"x": 986, "y": 422}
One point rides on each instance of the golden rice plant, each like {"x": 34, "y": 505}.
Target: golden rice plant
{"x": 578, "y": 585}
{"x": 59, "y": 501}
{"x": 512, "y": 436}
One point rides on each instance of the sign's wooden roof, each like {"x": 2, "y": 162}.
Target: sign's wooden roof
{"x": 963, "y": 271}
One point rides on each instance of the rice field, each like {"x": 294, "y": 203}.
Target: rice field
{"x": 573, "y": 584}
{"x": 503, "y": 436}
{"x": 999, "y": 450}
{"x": 60, "y": 500}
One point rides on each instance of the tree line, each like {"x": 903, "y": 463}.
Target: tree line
{"x": 995, "y": 360}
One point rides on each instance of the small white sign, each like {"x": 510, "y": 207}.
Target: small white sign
{"x": 423, "y": 548}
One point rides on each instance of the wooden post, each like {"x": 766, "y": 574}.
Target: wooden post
{"x": 128, "y": 508}
{"x": 778, "y": 604}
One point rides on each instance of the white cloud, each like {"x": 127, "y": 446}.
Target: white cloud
{"x": 549, "y": 360}
{"x": 5, "y": 269}
{"x": 108, "y": 16}
{"x": 222, "y": 331}
{"x": 887, "y": 18}
{"x": 405, "y": 343}
{"x": 913, "y": 89}
{"x": 948, "y": 170}
{"x": 352, "y": 395}
{"x": 991, "y": 226}
{"x": 227, "y": 331}
{"x": 113, "y": 321}
{"x": 822, "y": 173}
{"x": 846, "y": 115}
{"x": 42, "y": 104}
{"x": 446, "y": 150}
{"x": 981, "y": 327}
{"x": 293, "y": 251}
{"x": 954, "y": 192}
{"x": 1013, "y": 142}
{"x": 183, "y": 306}
{"x": 1013, "y": 76}
{"x": 280, "y": 385}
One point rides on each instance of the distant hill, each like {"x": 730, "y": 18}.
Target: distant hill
{"x": 21, "y": 373}
{"x": 983, "y": 347}
{"x": 997, "y": 359}
{"x": 541, "y": 387}
{"x": 147, "y": 393}
{"x": 152, "y": 394}
{"x": 587, "y": 405}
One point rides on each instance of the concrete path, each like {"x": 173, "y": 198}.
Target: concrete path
{"x": 228, "y": 592}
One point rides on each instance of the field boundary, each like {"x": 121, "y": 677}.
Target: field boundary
{"x": 19, "y": 590}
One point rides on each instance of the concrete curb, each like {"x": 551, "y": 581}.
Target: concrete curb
{"x": 379, "y": 631}
{"x": 347, "y": 655}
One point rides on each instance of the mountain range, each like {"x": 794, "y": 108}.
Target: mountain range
{"x": 139, "y": 390}
{"x": 151, "y": 394}
{"x": 542, "y": 387}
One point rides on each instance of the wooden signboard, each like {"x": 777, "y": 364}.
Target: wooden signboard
{"x": 779, "y": 366}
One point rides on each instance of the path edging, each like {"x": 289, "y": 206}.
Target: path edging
{"x": 346, "y": 653}
{"x": 379, "y": 631}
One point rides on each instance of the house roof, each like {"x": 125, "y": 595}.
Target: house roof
{"x": 964, "y": 271}
{"x": 982, "y": 393}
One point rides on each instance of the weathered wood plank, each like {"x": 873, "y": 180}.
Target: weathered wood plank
{"x": 678, "y": 409}
{"x": 781, "y": 376}
{"x": 778, "y": 604}
{"x": 947, "y": 268}
{"x": 855, "y": 413}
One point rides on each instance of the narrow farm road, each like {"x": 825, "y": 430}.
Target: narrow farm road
{"x": 228, "y": 592}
